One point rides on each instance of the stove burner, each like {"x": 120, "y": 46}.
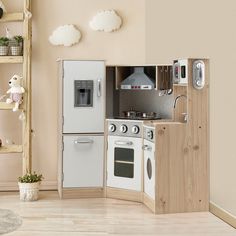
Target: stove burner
{"x": 137, "y": 115}
{"x": 136, "y": 118}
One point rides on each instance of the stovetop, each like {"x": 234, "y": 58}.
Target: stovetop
{"x": 136, "y": 118}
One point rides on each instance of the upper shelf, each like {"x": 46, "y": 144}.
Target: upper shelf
{"x": 5, "y": 106}
{"x": 11, "y": 149}
{"x": 11, "y": 59}
{"x": 160, "y": 74}
{"x": 12, "y": 17}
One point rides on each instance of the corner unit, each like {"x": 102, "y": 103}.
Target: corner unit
{"x": 182, "y": 149}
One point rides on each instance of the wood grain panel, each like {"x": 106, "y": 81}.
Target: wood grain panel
{"x": 183, "y": 154}
{"x": 73, "y": 193}
{"x": 11, "y": 149}
{"x": 129, "y": 195}
{"x": 10, "y": 17}
{"x": 11, "y": 59}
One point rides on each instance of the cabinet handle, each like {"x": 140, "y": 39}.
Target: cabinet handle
{"x": 83, "y": 141}
{"x": 124, "y": 143}
{"x": 99, "y": 89}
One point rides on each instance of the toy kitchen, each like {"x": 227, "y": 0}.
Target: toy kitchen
{"x": 135, "y": 132}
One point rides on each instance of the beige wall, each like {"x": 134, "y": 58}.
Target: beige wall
{"x": 211, "y": 33}
{"x": 125, "y": 46}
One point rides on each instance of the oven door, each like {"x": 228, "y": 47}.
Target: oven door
{"x": 124, "y": 163}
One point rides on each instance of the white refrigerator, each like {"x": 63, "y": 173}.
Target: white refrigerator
{"x": 83, "y": 123}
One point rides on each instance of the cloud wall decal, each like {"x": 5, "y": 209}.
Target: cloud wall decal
{"x": 107, "y": 21}
{"x": 66, "y": 35}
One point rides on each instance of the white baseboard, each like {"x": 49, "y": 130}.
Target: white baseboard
{"x": 13, "y": 186}
{"x": 223, "y": 214}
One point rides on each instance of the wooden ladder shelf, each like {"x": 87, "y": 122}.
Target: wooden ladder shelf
{"x": 25, "y": 60}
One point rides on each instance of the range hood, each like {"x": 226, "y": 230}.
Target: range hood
{"x": 138, "y": 81}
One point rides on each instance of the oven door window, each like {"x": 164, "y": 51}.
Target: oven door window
{"x": 83, "y": 90}
{"x": 124, "y": 162}
{"x": 149, "y": 168}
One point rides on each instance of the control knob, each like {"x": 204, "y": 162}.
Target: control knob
{"x": 123, "y": 128}
{"x": 135, "y": 129}
{"x": 198, "y": 82}
{"x": 112, "y": 128}
{"x": 150, "y": 134}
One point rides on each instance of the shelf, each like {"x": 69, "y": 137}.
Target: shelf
{"x": 11, "y": 59}
{"x": 11, "y": 149}
{"x": 12, "y": 17}
{"x": 5, "y": 106}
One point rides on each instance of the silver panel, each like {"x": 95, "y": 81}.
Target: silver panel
{"x": 129, "y": 124}
{"x": 198, "y": 74}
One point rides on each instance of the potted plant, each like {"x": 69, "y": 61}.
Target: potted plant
{"x": 16, "y": 46}
{"x": 29, "y": 186}
{"x": 4, "y": 42}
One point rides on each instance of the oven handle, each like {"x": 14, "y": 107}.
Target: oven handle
{"x": 147, "y": 148}
{"x": 83, "y": 141}
{"x": 124, "y": 143}
{"x": 99, "y": 92}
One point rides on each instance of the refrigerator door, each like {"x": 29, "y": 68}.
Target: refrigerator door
{"x": 83, "y": 96}
{"x": 83, "y": 161}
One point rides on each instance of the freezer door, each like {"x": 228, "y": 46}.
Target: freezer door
{"x": 83, "y": 161}
{"x": 83, "y": 96}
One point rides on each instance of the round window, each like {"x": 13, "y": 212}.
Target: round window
{"x": 149, "y": 168}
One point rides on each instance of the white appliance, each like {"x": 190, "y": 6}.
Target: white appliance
{"x": 83, "y": 123}
{"x": 124, "y": 155}
{"x": 149, "y": 161}
{"x": 180, "y": 71}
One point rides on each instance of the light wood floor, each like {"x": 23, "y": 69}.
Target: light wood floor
{"x": 53, "y": 217}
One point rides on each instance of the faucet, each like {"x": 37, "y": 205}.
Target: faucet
{"x": 179, "y": 96}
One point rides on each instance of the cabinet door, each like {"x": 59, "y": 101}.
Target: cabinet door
{"x": 83, "y": 161}
{"x": 149, "y": 169}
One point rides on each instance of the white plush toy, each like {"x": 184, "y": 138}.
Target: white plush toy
{"x": 16, "y": 92}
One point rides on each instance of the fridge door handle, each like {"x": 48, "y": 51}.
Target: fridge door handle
{"x": 99, "y": 88}
{"x": 83, "y": 141}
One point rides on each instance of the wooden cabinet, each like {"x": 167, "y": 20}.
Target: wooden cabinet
{"x": 182, "y": 153}
{"x": 164, "y": 77}
{"x": 160, "y": 74}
